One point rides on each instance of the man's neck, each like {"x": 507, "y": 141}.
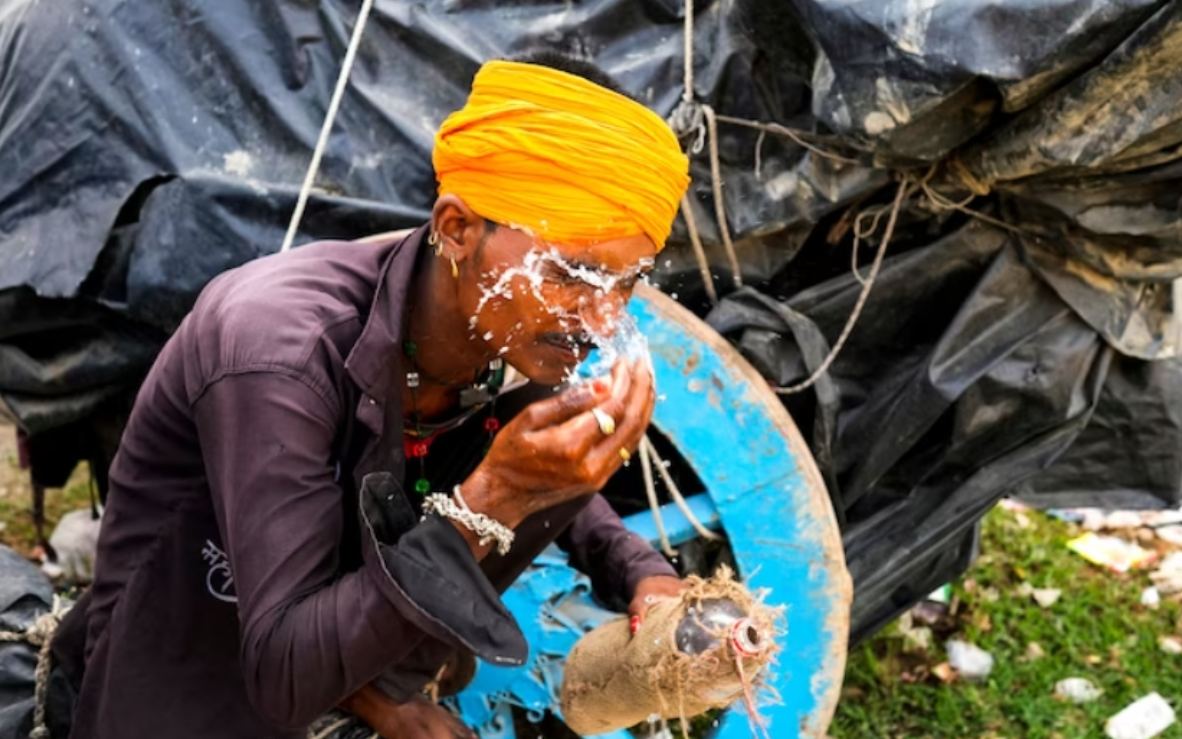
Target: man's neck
{"x": 444, "y": 350}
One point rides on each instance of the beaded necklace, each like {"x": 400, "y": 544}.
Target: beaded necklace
{"x": 474, "y": 396}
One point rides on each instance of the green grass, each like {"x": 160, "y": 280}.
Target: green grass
{"x": 16, "y": 504}
{"x": 1097, "y": 630}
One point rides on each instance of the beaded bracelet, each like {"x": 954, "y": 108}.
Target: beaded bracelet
{"x": 487, "y": 528}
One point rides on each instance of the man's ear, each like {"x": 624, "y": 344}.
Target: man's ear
{"x": 460, "y": 229}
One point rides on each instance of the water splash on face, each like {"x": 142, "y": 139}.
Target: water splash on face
{"x": 625, "y": 342}
{"x": 616, "y": 339}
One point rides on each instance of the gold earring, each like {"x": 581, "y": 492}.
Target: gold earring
{"x": 455, "y": 271}
{"x": 433, "y": 238}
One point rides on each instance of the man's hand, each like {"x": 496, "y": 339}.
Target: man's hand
{"x": 555, "y": 450}
{"x": 415, "y": 719}
{"x": 649, "y": 592}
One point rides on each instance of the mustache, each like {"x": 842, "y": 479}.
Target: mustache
{"x": 579, "y": 339}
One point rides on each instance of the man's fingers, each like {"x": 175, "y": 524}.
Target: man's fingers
{"x": 615, "y": 405}
{"x": 605, "y": 454}
{"x": 576, "y": 435}
{"x": 585, "y": 429}
{"x": 638, "y": 409}
{"x": 566, "y": 405}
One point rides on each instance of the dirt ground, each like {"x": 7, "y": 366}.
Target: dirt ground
{"x": 12, "y": 480}
{"x": 16, "y": 498}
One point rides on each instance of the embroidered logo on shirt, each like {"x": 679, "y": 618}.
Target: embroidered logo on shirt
{"x": 219, "y": 579}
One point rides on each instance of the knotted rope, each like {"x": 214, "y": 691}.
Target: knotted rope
{"x": 40, "y": 634}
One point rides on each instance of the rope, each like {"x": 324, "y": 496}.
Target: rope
{"x": 675, "y": 493}
{"x": 40, "y": 634}
{"x": 903, "y": 191}
{"x": 944, "y": 203}
{"x": 322, "y": 143}
{"x": 759, "y": 154}
{"x": 691, "y": 226}
{"x": 650, "y": 490}
{"x": 692, "y": 117}
{"x": 687, "y": 91}
{"x": 863, "y": 232}
{"x": 719, "y": 203}
{"x": 796, "y": 137}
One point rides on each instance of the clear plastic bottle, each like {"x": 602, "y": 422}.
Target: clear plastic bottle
{"x": 707, "y": 623}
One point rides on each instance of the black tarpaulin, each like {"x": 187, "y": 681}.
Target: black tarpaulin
{"x": 1022, "y": 336}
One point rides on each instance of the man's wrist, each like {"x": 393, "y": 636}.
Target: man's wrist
{"x": 485, "y": 494}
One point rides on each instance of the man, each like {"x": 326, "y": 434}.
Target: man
{"x": 305, "y": 501}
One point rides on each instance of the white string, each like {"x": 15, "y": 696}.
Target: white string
{"x": 687, "y": 90}
{"x": 797, "y": 137}
{"x": 646, "y": 469}
{"x": 675, "y": 492}
{"x": 326, "y": 129}
{"x": 692, "y": 117}
{"x": 40, "y": 634}
{"x": 719, "y": 203}
{"x": 691, "y": 226}
{"x": 862, "y": 296}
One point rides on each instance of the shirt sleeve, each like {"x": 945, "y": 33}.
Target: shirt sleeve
{"x": 310, "y": 634}
{"x": 616, "y": 560}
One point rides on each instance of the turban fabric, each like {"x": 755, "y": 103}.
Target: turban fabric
{"x": 566, "y": 159}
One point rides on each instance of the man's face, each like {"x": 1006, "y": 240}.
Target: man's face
{"x": 541, "y": 307}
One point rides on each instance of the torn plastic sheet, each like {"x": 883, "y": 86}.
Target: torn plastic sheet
{"x": 148, "y": 148}
{"x": 966, "y": 379}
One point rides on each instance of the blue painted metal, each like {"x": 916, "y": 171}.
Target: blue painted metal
{"x": 553, "y": 605}
{"x": 762, "y": 488}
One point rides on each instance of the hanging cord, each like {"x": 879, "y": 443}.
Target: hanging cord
{"x": 796, "y": 136}
{"x": 904, "y": 190}
{"x": 862, "y": 231}
{"x": 322, "y": 143}
{"x": 646, "y": 469}
{"x": 40, "y": 634}
{"x": 692, "y": 117}
{"x": 674, "y": 492}
{"x": 719, "y": 204}
{"x": 691, "y": 226}
{"x": 942, "y": 202}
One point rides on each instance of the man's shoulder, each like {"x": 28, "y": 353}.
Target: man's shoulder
{"x": 284, "y": 312}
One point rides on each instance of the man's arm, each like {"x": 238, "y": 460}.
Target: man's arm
{"x": 310, "y": 636}
{"x": 613, "y": 557}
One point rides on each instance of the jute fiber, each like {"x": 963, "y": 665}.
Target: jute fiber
{"x": 615, "y": 680}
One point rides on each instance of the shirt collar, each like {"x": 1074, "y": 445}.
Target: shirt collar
{"x": 375, "y": 359}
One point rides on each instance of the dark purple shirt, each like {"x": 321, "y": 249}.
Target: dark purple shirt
{"x": 259, "y": 559}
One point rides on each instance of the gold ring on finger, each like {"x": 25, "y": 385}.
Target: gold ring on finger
{"x": 607, "y": 424}
{"x": 625, "y": 454}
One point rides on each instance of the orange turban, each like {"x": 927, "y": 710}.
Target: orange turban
{"x": 570, "y": 161}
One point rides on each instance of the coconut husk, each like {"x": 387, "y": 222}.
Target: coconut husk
{"x": 614, "y": 680}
